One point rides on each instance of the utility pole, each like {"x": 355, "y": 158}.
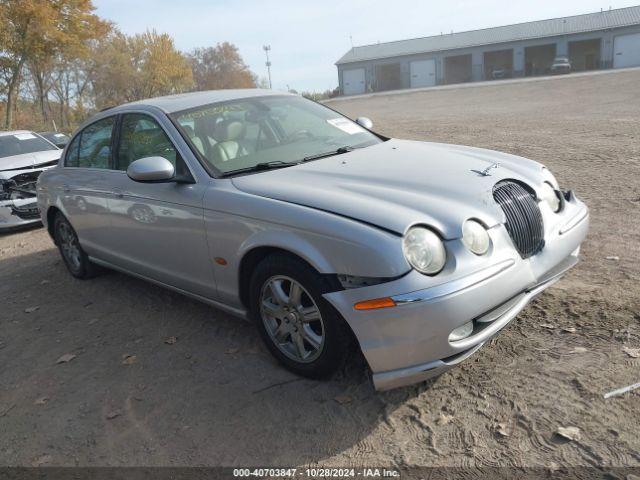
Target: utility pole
{"x": 266, "y": 49}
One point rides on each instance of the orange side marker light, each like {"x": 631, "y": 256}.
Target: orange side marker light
{"x": 375, "y": 304}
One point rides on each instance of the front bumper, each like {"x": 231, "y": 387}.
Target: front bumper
{"x": 18, "y": 213}
{"x": 410, "y": 342}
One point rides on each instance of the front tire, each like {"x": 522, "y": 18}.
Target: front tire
{"x": 74, "y": 257}
{"x": 299, "y": 327}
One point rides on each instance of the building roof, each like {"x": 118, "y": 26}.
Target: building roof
{"x": 521, "y": 31}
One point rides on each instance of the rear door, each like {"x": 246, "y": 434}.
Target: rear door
{"x": 86, "y": 185}
{"x": 423, "y": 73}
{"x": 157, "y": 229}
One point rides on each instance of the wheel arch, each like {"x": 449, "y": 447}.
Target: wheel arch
{"x": 257, "y": 254}
{"x": 52, "y": 211}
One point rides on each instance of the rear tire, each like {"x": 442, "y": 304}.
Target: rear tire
{"x": 73, "y": 256}
{"x": 299, "y": 327}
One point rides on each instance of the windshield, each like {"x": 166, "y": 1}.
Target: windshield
{"x": 239, "y": 135}
{"x": 19, "y": 143}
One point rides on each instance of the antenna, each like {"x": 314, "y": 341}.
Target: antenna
{"x": 266, "y": 49}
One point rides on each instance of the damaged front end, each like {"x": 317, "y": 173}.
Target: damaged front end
{"x": 18, "y": 199}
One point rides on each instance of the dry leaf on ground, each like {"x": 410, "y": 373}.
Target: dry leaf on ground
{"x": 343, "y": 399}
{"x": 42, "y": 460}
{"x": 502, "y": 430}
{"x": 129, "y": 359}
{"x": 569, "y": 433}
{"x": 113, "y": 414}
{"x": 632, "y": 352}
{"x": 444, "y": 419}
{"x": 66, "y": 358}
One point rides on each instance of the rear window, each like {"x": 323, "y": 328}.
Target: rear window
{"x": 21, "y": 143}
{"x": 91, "y": 148}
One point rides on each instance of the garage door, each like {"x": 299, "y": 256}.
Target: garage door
{"x": 353, "y": 81}
{"x": 626, "y": 51}
{"x": 423, "y": 73}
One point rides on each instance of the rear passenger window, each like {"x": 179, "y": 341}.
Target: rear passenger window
{"x": 141, "y": 136}
{"x": 95, "y": 146}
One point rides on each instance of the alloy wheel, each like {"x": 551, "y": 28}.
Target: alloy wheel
{"x": 69, "y": 246}
{"x": 292, "y": 319}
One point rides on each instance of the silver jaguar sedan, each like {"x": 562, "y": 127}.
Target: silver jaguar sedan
{"x": 330, "y": 237}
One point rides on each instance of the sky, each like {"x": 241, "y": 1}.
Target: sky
{"x": 308, "y": 37}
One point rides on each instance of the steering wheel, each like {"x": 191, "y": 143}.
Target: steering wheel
{"x": 298, "y": 135}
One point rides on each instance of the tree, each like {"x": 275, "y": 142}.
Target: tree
{"x": 36, "y": 31}
{"x": 129, "y": 68}
{"x": 71, "y": 89}
{"x": 220, "y": 67}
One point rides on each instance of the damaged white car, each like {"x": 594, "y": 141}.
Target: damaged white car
{"x": 23, "y": 157}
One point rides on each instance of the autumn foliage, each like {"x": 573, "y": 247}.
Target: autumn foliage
{"x": 59, "y": 62}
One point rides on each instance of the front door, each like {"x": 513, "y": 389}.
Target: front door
{"x": 158, "y": 228}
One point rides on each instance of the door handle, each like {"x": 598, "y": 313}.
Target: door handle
{"x": 66, "y": 188}
{"x": 117, "y": 193}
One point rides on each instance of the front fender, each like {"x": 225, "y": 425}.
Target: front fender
{"x": 332, "y": 244}
{"x": 331, "y": 254}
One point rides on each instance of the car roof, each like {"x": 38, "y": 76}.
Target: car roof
{"x": 185, "y": 101}
{"x": 14, "y": 132}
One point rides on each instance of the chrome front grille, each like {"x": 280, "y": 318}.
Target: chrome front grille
{"x": 524, "y": 221}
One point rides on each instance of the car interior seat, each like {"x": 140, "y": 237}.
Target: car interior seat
{"x": 203, "y": 129}
{"x": 197, "y": 142}
{"x": 229, "y": 135}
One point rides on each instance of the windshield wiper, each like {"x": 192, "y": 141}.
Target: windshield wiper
{"x": 339, "y": 151}
{"x": 261, "y": 166}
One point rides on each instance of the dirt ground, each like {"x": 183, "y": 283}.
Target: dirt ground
{"x": 216, "y": 397}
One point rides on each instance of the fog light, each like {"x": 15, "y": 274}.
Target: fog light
{"x": 461, "y": 332}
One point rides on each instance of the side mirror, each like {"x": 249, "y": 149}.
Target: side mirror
{"x": 364, "y": 122}
{"x": 151, "y": 169}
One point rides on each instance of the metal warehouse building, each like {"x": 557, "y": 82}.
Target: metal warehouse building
{"x": 607, "y": 39}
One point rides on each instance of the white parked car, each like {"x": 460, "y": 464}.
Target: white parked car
{"x": 24, "y": 156}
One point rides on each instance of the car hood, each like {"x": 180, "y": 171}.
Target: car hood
{"x": 28, "y": 160}
{"x": 399, "y": 183}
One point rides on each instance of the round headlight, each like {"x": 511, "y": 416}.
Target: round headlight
{"x": 550, "y": 197}
{"x": 424, "y": 250}
{"x": 475, "y": 237}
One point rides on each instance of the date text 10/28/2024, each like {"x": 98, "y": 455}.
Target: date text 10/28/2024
{"x": 316, "y": 472}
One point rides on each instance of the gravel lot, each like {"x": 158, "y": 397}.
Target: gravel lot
{"x": 159, "y": 379}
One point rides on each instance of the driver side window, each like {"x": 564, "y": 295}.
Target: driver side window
{"x": 141, "y": 136}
